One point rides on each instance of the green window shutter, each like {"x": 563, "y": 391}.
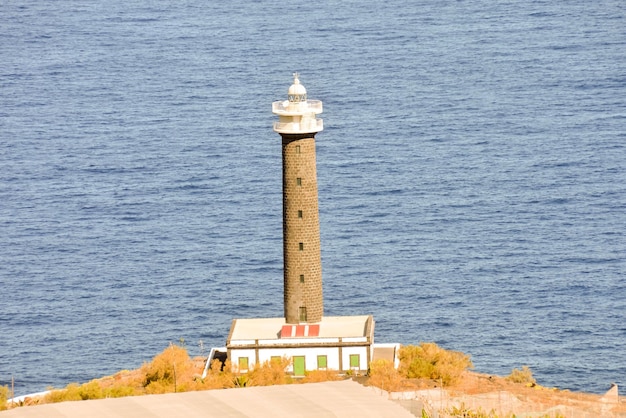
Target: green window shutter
{"x": 321, "y": 362}
{"x": 354, "y": 361}
{"x": 298, "y": 365}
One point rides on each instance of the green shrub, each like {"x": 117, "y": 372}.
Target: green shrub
{"x": 523, "y": 375}
{"x": 429, "y": 361}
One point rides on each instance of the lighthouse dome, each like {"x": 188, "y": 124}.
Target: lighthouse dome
{"x": 297, "y": 92}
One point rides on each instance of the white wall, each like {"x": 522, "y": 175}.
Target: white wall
{"x": 310, "y": 354}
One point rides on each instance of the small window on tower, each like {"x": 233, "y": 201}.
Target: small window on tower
{"x": 302, "y": 313}
{"x": 301, "y": 246}
{"x": 297, "y": 149}
{"x": 302, "y": 278}
{"x": 299, "y": 181}
{"x": 300, "y": 214}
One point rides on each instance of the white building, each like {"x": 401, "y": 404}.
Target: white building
{"x": 339, "y": 343}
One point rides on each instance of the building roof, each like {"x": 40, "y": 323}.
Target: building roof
{"x": 329, "y": 327}
{"x": 329, "y": 399}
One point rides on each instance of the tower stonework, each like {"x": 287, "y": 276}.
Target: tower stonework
{"x": 297, "y": 125}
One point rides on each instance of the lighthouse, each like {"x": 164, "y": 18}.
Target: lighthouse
{"x": 297, "y": 126}
{"x": 304, "y": 335}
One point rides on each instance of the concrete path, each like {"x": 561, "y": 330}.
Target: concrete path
{"x": 329, "y": 399}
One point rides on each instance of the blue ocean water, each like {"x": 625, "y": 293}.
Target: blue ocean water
{"x": 471, "y": 176}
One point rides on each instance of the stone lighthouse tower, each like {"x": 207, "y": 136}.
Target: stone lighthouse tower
{"x": 297, "y": 125}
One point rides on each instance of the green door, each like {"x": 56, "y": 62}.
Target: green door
{"x": 298, "y": 366}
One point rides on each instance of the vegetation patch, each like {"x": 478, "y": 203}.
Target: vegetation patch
{"x": 174, "y": 371}
{"x": 384, "y": 375}
{"x": 315, "y": 376}
{"x": 4, "y": 396}
{"x": 523, "y": 375}
{"x": 429, "y": 361}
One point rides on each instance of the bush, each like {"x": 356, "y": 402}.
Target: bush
{"x": 463, "y": 412}
{"x": 523, "y": 375}
{"x": 70, "y": 393}
{"x": 170, "y": 371}
{"x": 316, "y": 376}
{"x": 429, "y": 361}
{"x": 269, "y": 373}
{"x": 120, "y": 391}
{"x": 216, "y": 378}
{"x": 166, "y": 370}
{"x": 4, "y": 397}
{"x": 384, "y": 375}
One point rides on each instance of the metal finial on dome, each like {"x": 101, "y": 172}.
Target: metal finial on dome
{"x": 297, "y": 92}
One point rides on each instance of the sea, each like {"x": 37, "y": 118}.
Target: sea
{"x": 471, "y": 173}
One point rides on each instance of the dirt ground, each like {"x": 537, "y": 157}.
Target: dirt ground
{"x": 475, "y": 389}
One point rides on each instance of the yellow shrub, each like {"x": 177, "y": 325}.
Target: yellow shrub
{"x": 167, "y": 369}
{"x": 70, "y": 393}
{"x": 216, "y": 378}
{"x": 384, "y": 375}
{"x": 90, "y": 390}
{"x": 429, "y": 361}
{"x": 120, "y": 391}
{"x": 463, "y": 412}
{"x": 76, "y": 392}
{"x": 315, "y": 376}
{"x": 269, "y": 373}
{"x": 523, "y": 375}
{"x": 4, "y": 396}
